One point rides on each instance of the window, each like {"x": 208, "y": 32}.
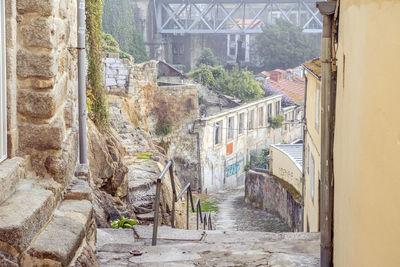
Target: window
{"x": 231, "y": 123}
{"x": 261, "y": 116}
{"x": 3, "y": 95}
{"x": 317, "y": 109}
{"x": 241, "y": 123}
{"x": 312, "y": 174}
{"x": 269, "y": 111}
{"x": 277, "y": 108}
{"x": 251, "y": 120}
{"x": 218, "y": 133}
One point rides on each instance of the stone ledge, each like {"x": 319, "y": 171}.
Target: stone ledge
{"x": 11, "y": 171}
{"x": 58, "y": 243}
{"x": 24, "y": 214}
{"x": 78, "y": 190}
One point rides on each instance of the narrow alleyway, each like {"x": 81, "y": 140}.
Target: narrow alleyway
{"x": 236, "y": 215}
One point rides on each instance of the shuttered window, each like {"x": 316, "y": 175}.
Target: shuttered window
{"x": 3, "y": 94}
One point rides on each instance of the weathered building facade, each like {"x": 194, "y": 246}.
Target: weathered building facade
{"x": 312, "y": 146}
{"x": 40, "y": 199}
{"x": 228, "y": 137}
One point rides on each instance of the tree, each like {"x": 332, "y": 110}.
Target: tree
{"x": 239, "y": 83}
{"x": 206, "y": 58}
{"x": 118, "y": 20}
{"x": 284, "y": 46}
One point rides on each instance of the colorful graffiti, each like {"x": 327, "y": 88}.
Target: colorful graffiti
{"x": 233, "y": 168}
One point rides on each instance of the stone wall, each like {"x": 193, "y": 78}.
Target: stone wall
{"x": 179, "y": 104}
{"x": 44, "y": 198}
{"x": 117, "y": 73}
{"x": 269, "y": 193}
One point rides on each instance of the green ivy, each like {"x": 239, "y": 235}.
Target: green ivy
{"x": 123, "y": 223}
{"x": 118, "y": 20}
{"x": 96, "y": 99}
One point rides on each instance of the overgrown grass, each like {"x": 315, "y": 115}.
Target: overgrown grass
{"x": 207, "y": 204}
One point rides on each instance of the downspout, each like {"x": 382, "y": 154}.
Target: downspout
{"x": 327, "y": 9}
{"x": 199, "y": 171}
{"x": 304, "y": 154}
{"x": 82, "y": 82}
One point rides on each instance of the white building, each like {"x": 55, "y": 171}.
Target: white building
{"x": 227, "y": 138}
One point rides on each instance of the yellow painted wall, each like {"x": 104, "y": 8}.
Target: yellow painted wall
{"x": 367, "y": 135}
{"x": 312, "y": 143}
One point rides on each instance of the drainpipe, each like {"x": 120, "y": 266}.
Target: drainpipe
{"x": 82, "y": 82}
{"x": 327, "y": 9}
{"x": 304, "y": 155}
{"x": 199, "y": 171}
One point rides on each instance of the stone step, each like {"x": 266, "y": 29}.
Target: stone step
{"x": 11, "y": 171}
{"x": 58, "y": 243}
{"x": 146, "y": 217}
{"x": 24, "y": 214}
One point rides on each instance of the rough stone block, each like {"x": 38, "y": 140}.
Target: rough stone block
{"x": 109, "y": 60}
{"x": 11, "y": 171}
{"x": 110, "y": 82}
{"x": 110, "y": 72}
{"x": 123, "y": 72}
{"x": 24, "y": 214}
{"x": 36, "y": 65}
{"x": 37, "y": 104}
{"x": 44, "y": 84}
{"x": 70, "y": 208}
{"x": 58, "y": 243}
{"x": 78, "y": 190}
{"x": 121, "y": 82}
{"x": 43, "y": 7}
{"x": 41, "y": 136}
{"x": 38, "y": 32}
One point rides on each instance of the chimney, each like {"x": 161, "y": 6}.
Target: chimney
{"x": 275, "y": 75}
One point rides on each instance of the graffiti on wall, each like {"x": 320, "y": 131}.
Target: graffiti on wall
{"x": 235, "y": 167}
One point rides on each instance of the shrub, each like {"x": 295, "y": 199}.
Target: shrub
{"x": 206, "y": 58}
{"x": 276, "y": 122}
{"x": 123, "y": 223}
{"x": 163, "y": 127}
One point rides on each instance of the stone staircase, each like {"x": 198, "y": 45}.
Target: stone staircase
{"x": 178, "y": 247}
{"x": 42, "y": 226}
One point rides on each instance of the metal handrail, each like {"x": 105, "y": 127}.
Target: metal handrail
{"x": 205, "y": 220}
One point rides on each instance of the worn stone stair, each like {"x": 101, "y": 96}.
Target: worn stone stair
{"x": 39, "y": 228}
{"x": 179, "y": 247}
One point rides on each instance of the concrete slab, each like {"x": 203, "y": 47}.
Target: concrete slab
{"x": 166, "y": 232}
{"x": 220, "y": 248}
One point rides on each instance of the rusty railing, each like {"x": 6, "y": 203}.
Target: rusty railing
{"x": 205, "y": 220}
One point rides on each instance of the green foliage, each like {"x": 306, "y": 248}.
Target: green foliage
{"x": 96, "y": 99}
{"x": 110, "y": 45}
{"x": 284, "y": 46}
{"x": 201, "y": 100}
{"x": 163, "y": 127}
{"x": 239, "y": 83}
{"x": 207, "y": 205}
{"x": 260, "y": 161}
{"x": 123, "y": 223}
{"x": 143, "y": 155}
{"x": 276, "y": 122}
{"x": 118, "y": 20}
{"x": 206, "y": 58}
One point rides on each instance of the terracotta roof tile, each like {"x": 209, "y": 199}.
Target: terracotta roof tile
{"x": 314, "y": 65}
{"x": 293, "y": 88}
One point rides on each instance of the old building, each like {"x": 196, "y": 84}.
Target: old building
{"x": 312, "y": 146}
{"x": 227, "y": 138}
{"x": 40, "y": 199}
{"x": 366, "y": 146}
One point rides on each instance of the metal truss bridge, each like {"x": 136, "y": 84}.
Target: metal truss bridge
{"x": 233, "y": 16}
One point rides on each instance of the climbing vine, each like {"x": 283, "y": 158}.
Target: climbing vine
{"x": 96, "y": 98}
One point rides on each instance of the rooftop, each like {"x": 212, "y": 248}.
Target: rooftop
{"x": 291, "y": 85}
{"x": 294, "y": 151}
{"x": 314, "y": 66}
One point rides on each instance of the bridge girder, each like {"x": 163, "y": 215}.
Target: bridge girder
{"x": 233, "y": 16}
